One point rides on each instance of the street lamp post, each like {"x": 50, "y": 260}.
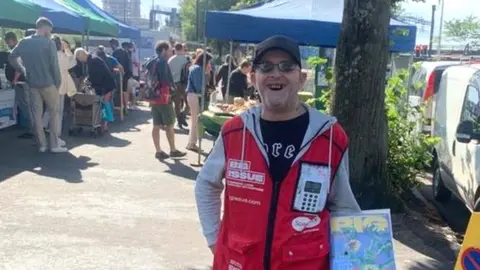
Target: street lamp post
{"x": 124, "y": 11}
{"x": 432, "y": 29}
{"x": 441, "y": 27}
{"x": 197, "y": 17}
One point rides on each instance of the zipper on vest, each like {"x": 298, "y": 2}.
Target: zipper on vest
{"x": 272, "y": 213}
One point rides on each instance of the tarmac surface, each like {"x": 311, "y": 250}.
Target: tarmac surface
{"x": 109, "y": 204}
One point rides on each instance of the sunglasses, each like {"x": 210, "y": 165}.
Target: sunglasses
{"x": 284, "y": 66}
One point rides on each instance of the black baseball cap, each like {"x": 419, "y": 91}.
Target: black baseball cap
{"x": 281, "y": 43}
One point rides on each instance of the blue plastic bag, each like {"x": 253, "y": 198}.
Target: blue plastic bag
{"x": 107, "y": 112}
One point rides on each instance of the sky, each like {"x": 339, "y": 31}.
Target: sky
{"x": 453, "y": 9}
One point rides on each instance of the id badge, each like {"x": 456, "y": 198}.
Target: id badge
{"x": 313, "y": 187}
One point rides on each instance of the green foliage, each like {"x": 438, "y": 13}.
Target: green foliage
{"x": 464, "y": 30}
{"x": 315, "y": 61}
{"x": 188, "y": 13}
{"x": 244, "y": 3}
{"x": 18, "y": 32}
{"x": 408, "y": 150}
{"x": 325, "y": 98}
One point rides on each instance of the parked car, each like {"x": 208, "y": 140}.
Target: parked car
{"x": 425, "y": 79}
{"x": 456, "y": 158}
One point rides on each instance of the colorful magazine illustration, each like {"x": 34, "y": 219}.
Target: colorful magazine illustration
{"x": 362, "y": 241}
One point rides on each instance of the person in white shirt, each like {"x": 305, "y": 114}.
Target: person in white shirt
{"x": 66, "y": 61}
{"x": 132, "y": 86}
{"x": 179, "y": 64}
{"x": 135, "y": 63}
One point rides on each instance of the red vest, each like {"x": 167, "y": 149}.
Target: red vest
{"x": 261, "y": 227}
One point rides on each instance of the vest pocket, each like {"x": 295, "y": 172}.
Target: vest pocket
{"x": 305, "y": 257}
{"x": 242, "y": 254}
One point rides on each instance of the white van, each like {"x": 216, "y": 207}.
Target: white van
{"x": 424, "y": 84}
{"x": 456, "y": 157}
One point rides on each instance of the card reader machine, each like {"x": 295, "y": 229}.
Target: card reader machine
{"x": 312, "y": 188}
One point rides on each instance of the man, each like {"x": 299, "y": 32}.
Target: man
{"x": 223, "y": 72}
{"x": 99, "y": 74}
{"x": 162, "y": 107}
{"x": 178, "y": 64}
{"x": 22, "y": 94}
{"x": 39, "y": 64}
{"x": 286, "y": 169}
{"x": 123, "y": 57}
{"x": 239, "y": 81}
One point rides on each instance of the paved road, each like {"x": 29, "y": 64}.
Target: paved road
{"x": 108, "y": 204}
{"x": 453, "y": 212}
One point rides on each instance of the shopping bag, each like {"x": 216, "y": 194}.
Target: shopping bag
{"x": 107, "y": 112}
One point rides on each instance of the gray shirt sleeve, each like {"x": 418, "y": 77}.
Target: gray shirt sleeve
{"x": 208, "y": 191}
{"x": 14, "y": 58}
{"x": 54, "y": 65}
{"x": 341, "y": 198}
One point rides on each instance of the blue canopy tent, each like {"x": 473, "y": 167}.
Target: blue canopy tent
{"x": 310, "y": 22}
{"x": 65, "y": 20}
{"x": 126, "y": 31}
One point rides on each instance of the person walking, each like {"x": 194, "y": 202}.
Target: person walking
{"x": 39, "y": 64}
{"x": 162, "y": 108}
{"x": 178, "y": 63}
{"x": 196, "y": 76}
{"x": 22, "y": 91}
{"x": 286, "y": 169}
{"x": 66, "y": 61}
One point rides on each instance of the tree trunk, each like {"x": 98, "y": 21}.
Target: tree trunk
{"x": 358, "y": 99}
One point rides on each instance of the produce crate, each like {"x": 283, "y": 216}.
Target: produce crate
{"x": 212, "y": 122}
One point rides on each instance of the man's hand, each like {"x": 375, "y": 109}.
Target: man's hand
{"x": 212, "y": 249}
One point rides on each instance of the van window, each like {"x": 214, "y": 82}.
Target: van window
{"x": 471, "y": 108}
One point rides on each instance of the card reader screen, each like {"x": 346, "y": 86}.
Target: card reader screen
{"x": 313, "y": 187}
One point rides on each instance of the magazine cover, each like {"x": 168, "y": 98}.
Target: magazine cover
{"x": 362, "y": 241}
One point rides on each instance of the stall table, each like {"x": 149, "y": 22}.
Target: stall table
{"x": 7, "y": 108}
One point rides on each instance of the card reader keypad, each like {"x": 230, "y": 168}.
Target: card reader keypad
{"x": 309, "y": 202}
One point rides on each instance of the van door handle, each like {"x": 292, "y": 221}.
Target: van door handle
{"x": 453, "y": 148}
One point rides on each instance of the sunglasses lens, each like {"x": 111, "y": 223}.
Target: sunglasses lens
{"x": 286, "y": 66}
{"x": 266, "y": 67}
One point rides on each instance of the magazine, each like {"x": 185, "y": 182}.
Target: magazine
{"x": 362, "y": 241}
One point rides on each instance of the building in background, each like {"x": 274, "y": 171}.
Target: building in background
{"x": 128, "y": 11}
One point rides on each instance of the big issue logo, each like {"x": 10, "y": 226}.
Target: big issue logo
{"x": 240, "y": 171}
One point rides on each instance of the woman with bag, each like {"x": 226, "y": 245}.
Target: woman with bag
{"x": 101, "y": 79}
{"x": 196, "y": 76}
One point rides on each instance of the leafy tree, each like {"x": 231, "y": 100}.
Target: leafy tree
{"x": 358, "y": 99}
{"x": 188, "y": 13}
{"x": 244, "y": 3}
{"x": 464, "y": 30}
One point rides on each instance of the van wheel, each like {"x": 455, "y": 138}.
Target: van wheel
{"x": 440, "y": 192}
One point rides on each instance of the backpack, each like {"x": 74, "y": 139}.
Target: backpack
{"x": 184, "y": 73}
{"x": 154, "y": 91}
